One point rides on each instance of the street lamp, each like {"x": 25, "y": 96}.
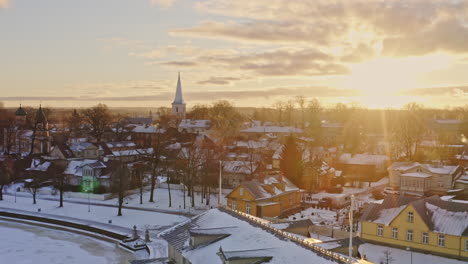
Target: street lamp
{"x": 87, "y": 189}
{"x": 411, "y": 254}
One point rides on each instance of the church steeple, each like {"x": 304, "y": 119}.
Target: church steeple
{"x": 178, "y": 96}
{"x": 178, "y": 106}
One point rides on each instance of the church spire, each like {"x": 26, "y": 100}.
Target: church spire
{"x": 178, "y": 97}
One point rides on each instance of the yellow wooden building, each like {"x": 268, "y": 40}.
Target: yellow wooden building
{"x": 429, "y": 225}
{"x": 269, "y": 197}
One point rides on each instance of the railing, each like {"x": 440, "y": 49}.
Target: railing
{"x": 300, "y": 241}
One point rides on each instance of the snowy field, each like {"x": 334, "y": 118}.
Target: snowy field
{"x": 25, "y": 244}
{"x": 375, "y": 254}
{"x": 142, "y": 219}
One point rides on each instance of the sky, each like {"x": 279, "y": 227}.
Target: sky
{"x": 377, "y": 53}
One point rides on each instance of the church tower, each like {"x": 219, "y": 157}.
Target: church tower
{"x": 43, "y": 140}
{"x": 178, "y": 106}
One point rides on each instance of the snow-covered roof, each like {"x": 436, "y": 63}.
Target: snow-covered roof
{"x": 251, "y": 144}
{"x": 75, "y": 167}
{"x": 238, "y": 166}
{"x": 448, "y": 121}
{"x": 441, "y": 216}
{"x": 416, "y": 175}
{"x": 438, "y": 169}
{"x": 272, "y": 129}
{"x": 80, "y": 146}
{"x": 120, "y": 144}
{"x": 269, "y": 187}
{"x": 328, "y": 124}
{"x": 132, "y": 152}
{"x": 242, "y": 240}
{"x": 37, "y": 165}
{"x": 189, "y": 123}
{"x": 448, "y": 222}
{"x": 363, "y": 159}
{"x": 147, "y": 129}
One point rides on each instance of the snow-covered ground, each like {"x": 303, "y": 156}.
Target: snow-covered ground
{"x": 375, "y": 254}
{"x": 161, "y": 198}
{"x": 25, "y": 244}
{"x": 142, "y": 219}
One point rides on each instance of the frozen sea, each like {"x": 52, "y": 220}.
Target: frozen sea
{"x": 24, "y": 244}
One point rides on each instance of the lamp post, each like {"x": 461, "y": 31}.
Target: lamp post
{"x": 411, "y": 254}
{"x": 350, "y": 249}
{"x": 87, "y": 188}
{"x": 220, "y": 181}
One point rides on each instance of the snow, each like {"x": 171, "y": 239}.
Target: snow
{"x": 448, "y": 121}
{"x": 363, "y": 159}
{"x": 272, "y": 129}
{"x": 147, "y": 129}
{"x": 238, "y": 166}
{"x": 189, "y": 123}
{"x": 142, "y": 219}
{"x": 30, "y": 244}
{"x": 75, "y": 167}
{"x": 36, "y": 165}
{"x": 316, "y": 215}
{"x": 448, "y": 222}
{"x": 416, "y": 175}
{"x": 246, "y": 237}
{"x": 375, "y": 254}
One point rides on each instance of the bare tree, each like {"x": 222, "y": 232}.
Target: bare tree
{"x": 99, "y": 118}
{"x": 387, "y": 258}
{"x": 6, "y": 172}
{"x": 409, "y": 129}
{"x": 60, "y": 180}
{"x": 74, "y": 122}
{"x": 121, "y": 181}
{"x": 300, "y": 100}
{"x": 159, "y": 144}
{"x": 279, "y": 106}
{"x": 121, "y": 131}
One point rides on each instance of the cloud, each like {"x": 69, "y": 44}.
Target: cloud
{"x": 279, "y": 62}
{"x": 445, "y": 35}
{"x": 180, "y": 63}
{"x": 219, "y": 80}
{"x": 264, "y": 31}
{"x": 162, "y": 3}
{"x": 455, "y": 91}
{"x": 288, "y": 92}
{"x": 400, "y": 26}
{"x": 4, "y": 3}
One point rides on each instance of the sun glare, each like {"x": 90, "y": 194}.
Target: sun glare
{"x": 389, "y": 76}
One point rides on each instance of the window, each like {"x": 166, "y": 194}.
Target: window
{"x": 241, "y": 191}
{"x": 409, "y": 235}
{"x": 380, "y": 230}
{"x": 410, "y": 217}
{"x": 234, "y": 205}
{"x": 425, "y": 238}
{"x": 290, "y": 199}
{"x": 247, "y": 208}
{"x": 395, "y": 233}
{"x": 441, "y": 241}
{"x": 466, "y": 245}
